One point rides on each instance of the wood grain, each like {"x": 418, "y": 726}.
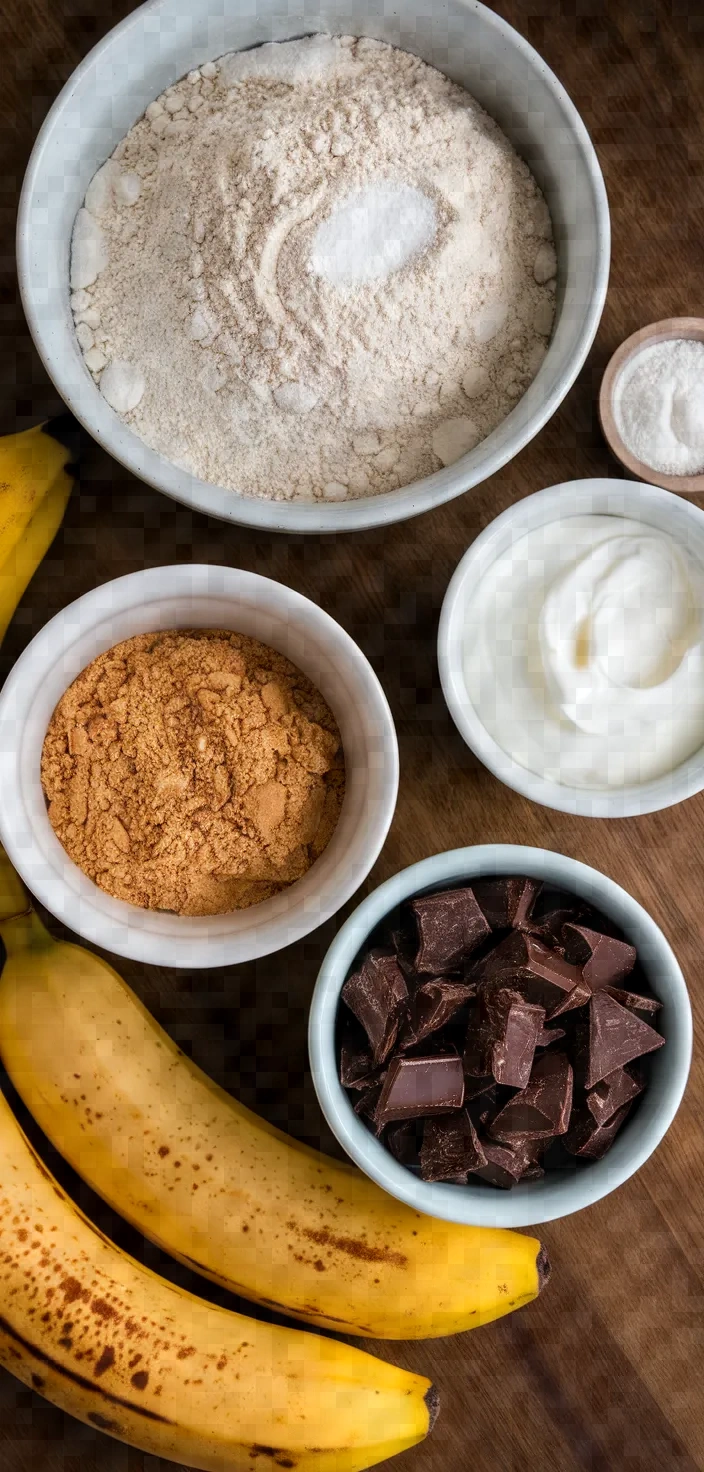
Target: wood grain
{"x": 603, "y": 1374}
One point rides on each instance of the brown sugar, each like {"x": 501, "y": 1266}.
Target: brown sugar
{"x": 196, "y": 771}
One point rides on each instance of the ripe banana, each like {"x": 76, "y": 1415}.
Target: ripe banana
{"x": 29, "y": 462}
{"x": 34, "y": 490}
{"x": 120, "y": 1348}
{"x": 213, "y": 1184}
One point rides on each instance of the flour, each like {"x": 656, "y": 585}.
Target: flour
{"x": 313, "y": 270}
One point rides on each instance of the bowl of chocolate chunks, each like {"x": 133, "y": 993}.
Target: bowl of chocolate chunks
{"x": 500, "y": 1035}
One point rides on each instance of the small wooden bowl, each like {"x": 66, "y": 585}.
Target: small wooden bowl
{"x": 672, "y": 327}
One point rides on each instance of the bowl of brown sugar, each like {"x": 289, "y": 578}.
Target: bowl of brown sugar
{"x": 199, "y": 766}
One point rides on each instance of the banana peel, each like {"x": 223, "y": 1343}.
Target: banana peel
{"x": 140, "y": 1358}
{"x": 35, "y": 485}
{"x": 211, "y": 1183}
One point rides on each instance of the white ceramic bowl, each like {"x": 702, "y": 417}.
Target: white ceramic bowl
{"x": 559, "y": 1192}
{"x": 654, "y": 508}
{"x": 196, "y": 597}
{"x": 159, "y": 43}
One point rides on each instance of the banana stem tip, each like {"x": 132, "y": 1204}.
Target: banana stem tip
{"x": 544, "y": 1267}
{"x": 432, "y": 1400}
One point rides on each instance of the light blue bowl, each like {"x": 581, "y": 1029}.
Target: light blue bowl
{"x": 559, "y": 1192}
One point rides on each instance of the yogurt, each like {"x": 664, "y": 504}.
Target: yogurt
{"x": 584, "y": 656}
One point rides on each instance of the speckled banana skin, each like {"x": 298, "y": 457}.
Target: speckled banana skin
{"x": 34, "y": 490}
{"x": 122, "y": 1349}
{"x": 215, "y": 1185}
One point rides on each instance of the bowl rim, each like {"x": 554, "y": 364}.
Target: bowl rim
{"x": 690, "y": 328}
{"x": 127, "y": 930}
{"x": 534, "y": 1202}
{"x": 316, "y": 517}
{"x": 635, "y": 500}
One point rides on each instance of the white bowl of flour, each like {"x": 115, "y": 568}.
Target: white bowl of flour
{"x": 313, "y": 286}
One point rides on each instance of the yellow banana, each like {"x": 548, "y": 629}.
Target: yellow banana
{"x": 29, "y": 463}
{"x": 23, "y": 559}
{"x": 215, "y": 1185}
{"x": 120, "y": 1348}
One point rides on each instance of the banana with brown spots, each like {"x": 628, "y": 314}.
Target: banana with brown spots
{"x": 215, "y": 1185}
{"x": 122, "y": 1349}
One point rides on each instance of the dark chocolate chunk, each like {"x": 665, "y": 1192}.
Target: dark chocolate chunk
{"x": 366, "y": 1105}
{"x": 404, "y": 947}
{"x": 616, "y": 1037}
{"x": 530, "y": 890}
{"x": 484, "y": 1107}
{"x": 415, "y": 1087}
{"x": 552, "y": 898}
{"x": 505, "y": 901}
{"x": 580, "y": 1051}
{"x": 494, "y": 999}
{"x": 475, "y": 1087}
{"x": 541, "y": 975}
{"x": 450, "y": 1148}
{"x": 478, "y": 1044}
{"x": 549, "y": 927}
{"x": 541, "y": 1109}
{"x": 533, "y": 1172}
{"x": 589, "y": 1140}
{"x": 450, "y": 926}
{"x": 550, "y": 1035}
{"x": 448, "y": 1039}
{"x": 506, "y": 1164}
{"x": 502, "y": 1035}
{"x": 403, "y": 1140}
{"x": 357, "y": 1068}
{"x": 402, "y": 942}
{"x": 645, "y": 1007}
{"x": 578, "y": 997}
{"x": 607, "y": 1097}
{"x": 433, "y": 1004}
{"x": 604, "y": 960}
{"x": 514, "y": 1051}
{"x": 377, "y": 995}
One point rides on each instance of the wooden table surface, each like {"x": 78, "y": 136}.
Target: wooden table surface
{"x": 603, "y": 1374}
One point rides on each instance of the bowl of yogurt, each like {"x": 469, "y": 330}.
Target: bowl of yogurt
{"x": 571, "y": 648}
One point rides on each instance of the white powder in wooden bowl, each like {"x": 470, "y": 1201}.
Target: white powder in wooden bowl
{"x": 313, "y": 270}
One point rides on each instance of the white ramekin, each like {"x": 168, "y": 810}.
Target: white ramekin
{"x": 161, "y": 41}
{"x": 196, "y": 597}
{"x": 559, "y": 1193}
{"x": 601, "y": 496}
